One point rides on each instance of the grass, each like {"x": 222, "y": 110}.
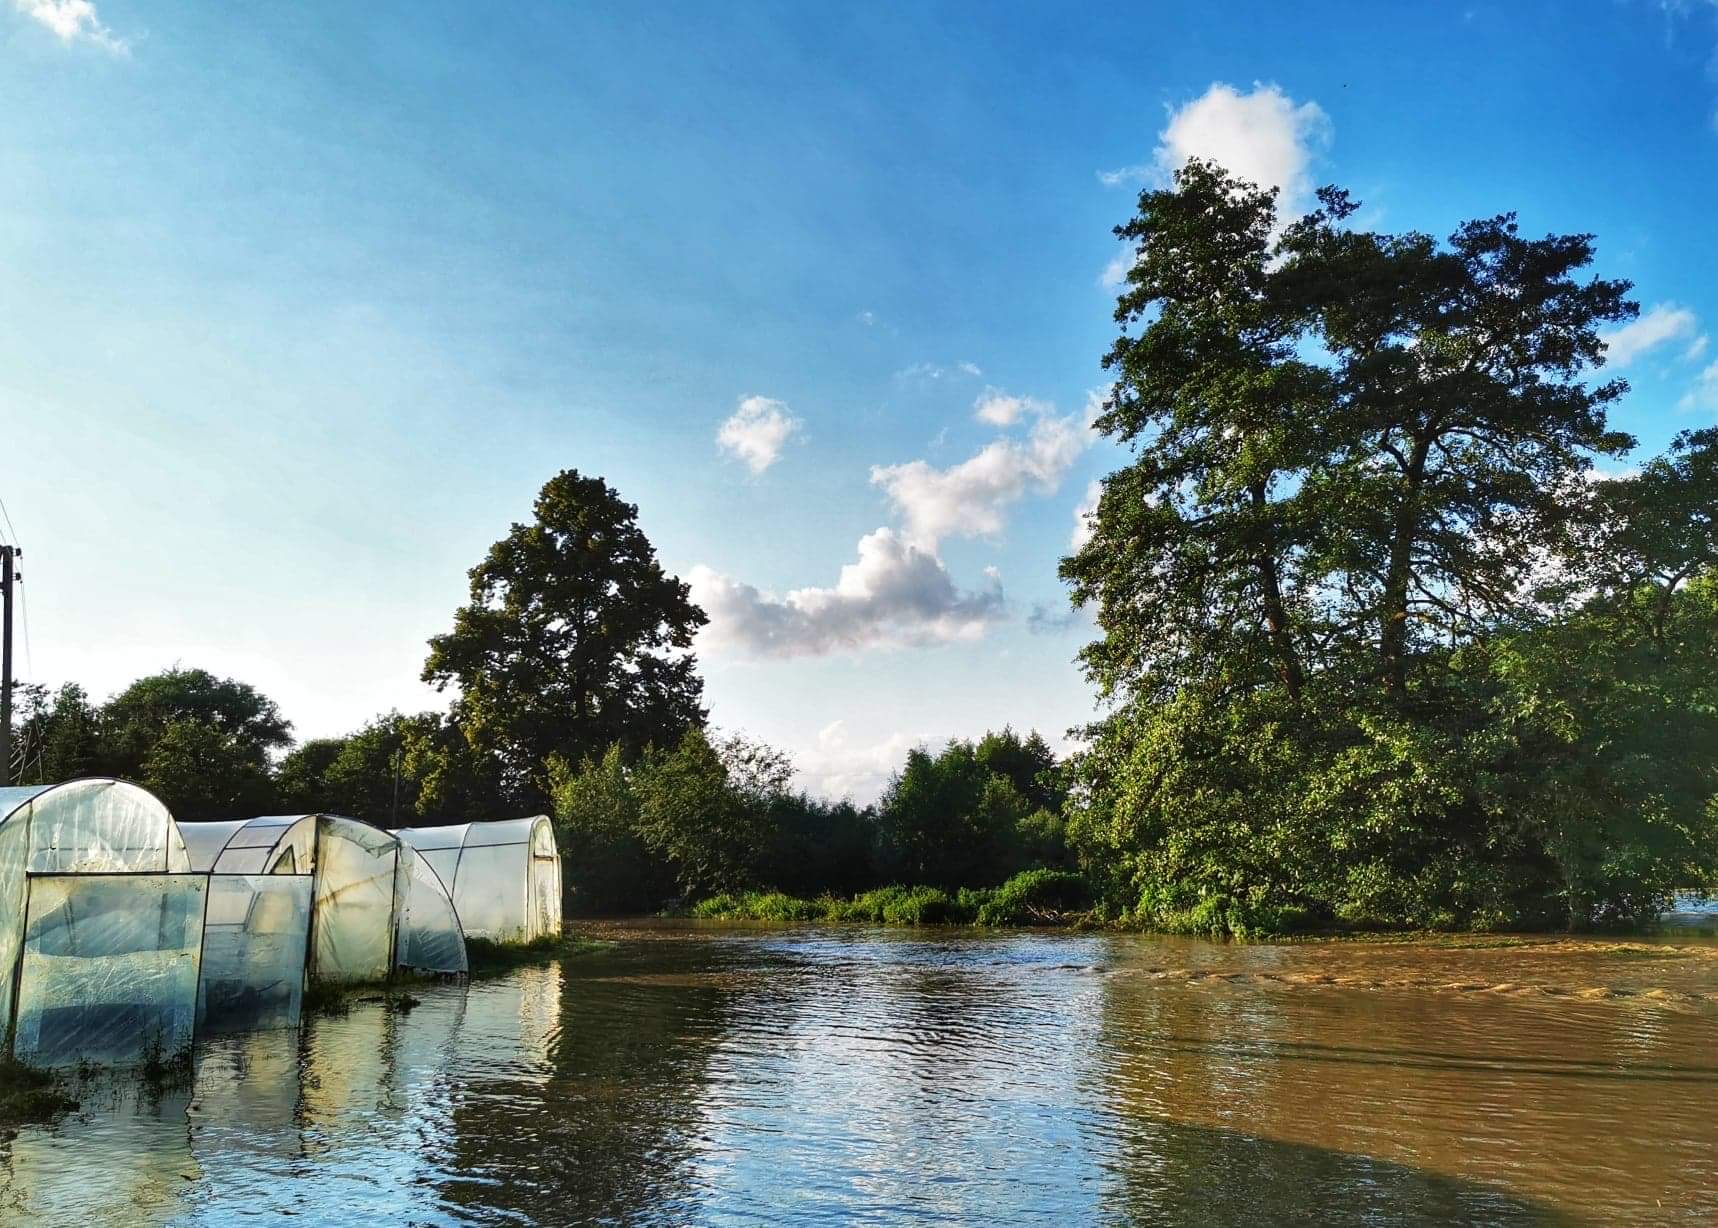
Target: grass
{"x": 487, "y": 958}
{"x": 30, "y": 1096}
{"x": 1032, "y": 897}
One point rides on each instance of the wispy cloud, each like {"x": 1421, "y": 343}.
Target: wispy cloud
{"x": 73, "y": 21}
{"x": 757, "y": 432}
{"x": 1704, "y": 394}
{"x": 1658, "y": 325}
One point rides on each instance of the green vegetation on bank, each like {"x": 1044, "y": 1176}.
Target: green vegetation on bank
{"x": 1032, "y": 897}
{"x": 486, "y": 957}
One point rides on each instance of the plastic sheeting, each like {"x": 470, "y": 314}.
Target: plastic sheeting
{"x": 429, "y": 938}
{"x": 95, "y": 828}
{"x": 355, "y": 902}
{"x": 109, "y": 968}
{"x": 254, "y": 945}
{"x": 505, "y": 876}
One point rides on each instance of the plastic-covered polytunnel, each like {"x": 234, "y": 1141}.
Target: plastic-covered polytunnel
{"x": 101, "y": 925}
{"x": 312, "y": 897}
{"x": 505, "y": 875}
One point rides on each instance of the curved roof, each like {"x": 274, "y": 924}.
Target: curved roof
{"x": 256, "y": 846}
{"x": 95, "y": 826}
{"x": 475, "y": 835}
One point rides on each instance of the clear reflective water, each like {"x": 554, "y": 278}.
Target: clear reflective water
{"x": 724, "y": 1076}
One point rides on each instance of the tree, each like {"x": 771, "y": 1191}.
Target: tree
{"x": 404, "y": 768}
{"x": 59, "y": 738}
{"x": 574, "y": 638}
{"x": 1350, "y": 448}
{"x": 706, "y": 821}
{"x": 204, "y": 772}
{"x": 1322, "y": 575}
{"x": 139, "y": 716}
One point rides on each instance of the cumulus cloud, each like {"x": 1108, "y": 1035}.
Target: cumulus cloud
{"x": 838, "y": 768}
{"x": 1704, "y": 394}
{"x": 970, "y": 499}
{"x": 897, "y": 593}
{"x": 998, "y": 408}
{"x": 757, "y": 432}
{"x": 1658, "y": 325}
{"x": 1264, "y": 137}
{"x": 73, "y": 21}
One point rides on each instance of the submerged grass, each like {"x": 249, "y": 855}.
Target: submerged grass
{"x": 487, "y": 958}
{"x": 31, "y": 1096}
{"x": 1032, "y": 897}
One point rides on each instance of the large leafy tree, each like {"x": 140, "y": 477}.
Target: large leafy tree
{"x": 136, "y": 719}
{"x": 1329, "y": 580}
{"x": 574, "y": 638}
{"x": 1349, "y": 447}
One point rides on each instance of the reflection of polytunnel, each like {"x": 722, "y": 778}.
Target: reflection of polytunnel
{"x": 101, "y": 924}
{"x": 506, "y": 876}
{"x": 320, "y": 896}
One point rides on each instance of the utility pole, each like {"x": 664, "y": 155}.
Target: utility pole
{"x": 7, "y": 554}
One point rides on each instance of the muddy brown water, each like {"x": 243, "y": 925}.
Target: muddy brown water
{"x": 709, "y": 1074}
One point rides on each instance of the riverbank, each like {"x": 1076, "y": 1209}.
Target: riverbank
{"x": 1062, "y": 899}
{"x": 1033, "y": 897}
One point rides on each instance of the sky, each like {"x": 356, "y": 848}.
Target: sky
{"x": 301, "y": 304}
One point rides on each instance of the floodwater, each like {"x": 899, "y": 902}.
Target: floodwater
{"x": 724, "y": 1075}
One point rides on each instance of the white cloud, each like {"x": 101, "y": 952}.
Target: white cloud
{"x": 1704, "y": 394}
{"x": 930, "y": 371}
{"x": 969, "y": 499}
{"x": 896, "y": 593}
{"x": 1658, "y": 325}
{"x": 999, "y": 409}
{"x": 837, "y": 768}
{"x": 757, "y": 432}
{"x": 1083, "y": 513}
{"x": 970, "y": 368}
{"x": 1263, "y": 137}
{"x": 73, "y": 21}
{"x": 867, "y": 318}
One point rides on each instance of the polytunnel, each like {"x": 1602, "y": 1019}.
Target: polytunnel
{"x": 101, "y": 925}
{"x": 505, "y": 875}
{"x": 318, "y": 898}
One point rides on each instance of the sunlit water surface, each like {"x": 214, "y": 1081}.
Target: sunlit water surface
{"x": 718, "y": 1075}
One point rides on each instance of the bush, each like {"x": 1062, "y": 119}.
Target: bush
{"x": 1034, "y": 897}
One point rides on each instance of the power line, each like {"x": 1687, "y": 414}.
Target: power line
{"x": 12, "y": 534}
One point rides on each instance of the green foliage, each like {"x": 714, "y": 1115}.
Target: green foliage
{"x": 204, "y": 772}
{"x": 59, "y": 737}
{"x": 606, "y": 865}
{"x": 574, "y": 638}
{"x": 967, "y": 815}
{"x": 1344, "y": 691}
{"x": 134, "y": 721}
{"x": 1035, "y": 897}
{"x": 700, "y": 818}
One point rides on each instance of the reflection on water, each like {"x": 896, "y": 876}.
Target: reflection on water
{"x": 716, "y": 1075}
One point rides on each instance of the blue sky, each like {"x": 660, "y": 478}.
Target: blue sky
{"x": 300, "y": 304}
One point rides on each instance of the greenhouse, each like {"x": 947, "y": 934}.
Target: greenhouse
{"x": 505, "y": 876}
{"x": 316, "y": 898}
{"x": 101, "y": 925}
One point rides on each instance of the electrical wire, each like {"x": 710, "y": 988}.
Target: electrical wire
{"x": 11, "y": 533}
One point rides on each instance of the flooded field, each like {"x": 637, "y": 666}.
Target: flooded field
{"x": 721, "y": 1075}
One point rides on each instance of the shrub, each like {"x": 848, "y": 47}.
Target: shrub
{"x": 1035, "y": 897}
